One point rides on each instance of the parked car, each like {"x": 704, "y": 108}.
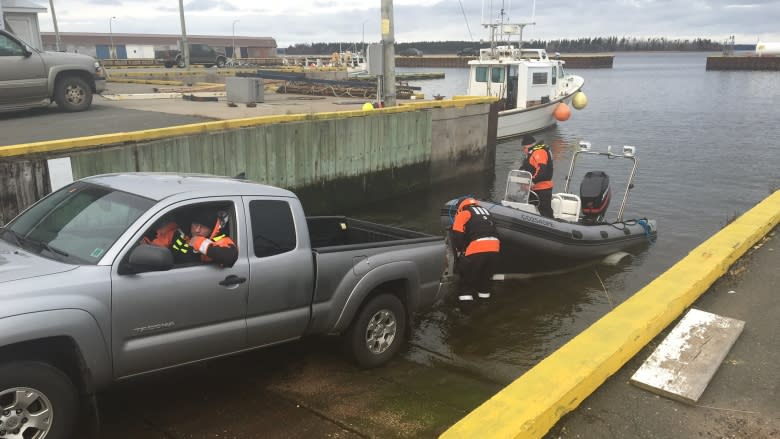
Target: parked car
{"x": 199, "y": 54}
{"x": 85, "y": 302}
{"x": 468, "y": 51}
{"x": 32, "y": 78}
{"x": 410, "y": 51}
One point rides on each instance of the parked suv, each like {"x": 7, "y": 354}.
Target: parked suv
{"x": 199, "y": 54}
{"x": 410, "y": 51}
{"x": 32, "y": 78}
{"x": 468, "y": 51}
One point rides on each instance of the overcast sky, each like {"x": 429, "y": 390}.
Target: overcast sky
{"x": 305, "y": 21}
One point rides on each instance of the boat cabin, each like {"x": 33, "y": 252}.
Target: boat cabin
{"x": 523, "y": 77}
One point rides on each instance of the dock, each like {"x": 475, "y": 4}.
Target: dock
{"x": 769, "y": 63}
{"x": 572, "y": 61}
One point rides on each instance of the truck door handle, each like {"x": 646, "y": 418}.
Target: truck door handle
{"x": 232, "y": 280}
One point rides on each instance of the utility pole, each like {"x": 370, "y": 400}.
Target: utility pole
{"x": 185, "y": 48}
{"x": 56, "y": 28}
{"x": 111, "y": 55}
{"x": 234, "y": 39}
{"x": 388, "y": 53}
{"x": 2, "y": 17}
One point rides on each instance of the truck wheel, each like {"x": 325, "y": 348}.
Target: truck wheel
{"x": 180, "y": 62}
{"x": 220, "y": 62}
{"x": 72, "y": 93}
{"x": 378, "y": 331}
{"x": 168, "y": 64}
{"x": 36, "y": 401}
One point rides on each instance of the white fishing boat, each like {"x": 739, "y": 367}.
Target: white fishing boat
{"x": 534, "y": 88}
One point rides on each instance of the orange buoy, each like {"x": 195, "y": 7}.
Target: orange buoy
{"x": 562, "y": 112}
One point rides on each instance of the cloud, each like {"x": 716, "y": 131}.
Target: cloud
{"x": 207, "y": 5}
{"x": 305, "y": 21}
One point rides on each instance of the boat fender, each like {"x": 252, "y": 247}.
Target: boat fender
{"x": 562, "y": 112}
{"x": 579, "y": 101}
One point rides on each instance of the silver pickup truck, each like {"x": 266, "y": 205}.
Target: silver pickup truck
{"x": 84, "y": 302}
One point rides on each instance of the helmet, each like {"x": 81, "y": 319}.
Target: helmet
{"x": 204, "y": 217}
{"x": 466, "y": 202}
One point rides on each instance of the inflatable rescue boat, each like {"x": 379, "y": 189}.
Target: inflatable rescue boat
{"x": 578, "y": 233}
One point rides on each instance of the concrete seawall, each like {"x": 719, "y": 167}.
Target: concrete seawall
{"x": 533, "y": 403}
{"x": 375, "y": 154}
{"x": 771, "y": 63}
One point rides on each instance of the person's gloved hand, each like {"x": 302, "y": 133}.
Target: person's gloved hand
{"x": 180, "y": 244}
{"x": 200, "y": 244}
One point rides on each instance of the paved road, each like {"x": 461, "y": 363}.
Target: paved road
{"x": 50, "y": 124}
{"x": 743, "y": 398}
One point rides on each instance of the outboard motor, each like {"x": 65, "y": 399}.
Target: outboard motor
{"x": 595, "y": 195}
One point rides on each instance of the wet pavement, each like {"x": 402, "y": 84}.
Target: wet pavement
{"x": 299, "y": 390}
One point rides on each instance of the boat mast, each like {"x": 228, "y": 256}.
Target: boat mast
{"x": 502, "y": 26}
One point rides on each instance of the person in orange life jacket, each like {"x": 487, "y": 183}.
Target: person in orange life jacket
{"x": 476, "y": 242}
{"x": 207, "y": 242}
{"x": 538, "y": 161}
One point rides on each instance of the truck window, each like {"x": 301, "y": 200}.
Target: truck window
{"x": 9, "y": 47}
{"x": 273, "y": 229}
{"x": 174, "y": 229}
{"x": 78, "y": 223}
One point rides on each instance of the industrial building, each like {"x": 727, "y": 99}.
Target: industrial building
{"x": 142, "y": 46}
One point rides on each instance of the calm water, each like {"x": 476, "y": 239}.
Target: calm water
{"x": 708, "y": 146}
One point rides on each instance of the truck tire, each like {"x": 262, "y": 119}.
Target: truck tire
{"x": 220, "y": 62}
{"x": 180, "y": 62}
{"x": 29, "y": 388}
{"x": 72, "y": 93}
{"x": 378, "y": 331}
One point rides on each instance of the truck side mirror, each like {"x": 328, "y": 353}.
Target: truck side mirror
{"x": 148, "y": 258}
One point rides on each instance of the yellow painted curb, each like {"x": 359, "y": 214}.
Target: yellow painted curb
{"x": 533, "y": 403}
{"x": 205, "y": 127}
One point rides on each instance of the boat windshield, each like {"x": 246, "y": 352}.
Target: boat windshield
{"x": 518, "y": 186}
{"x": 76, "y": 224}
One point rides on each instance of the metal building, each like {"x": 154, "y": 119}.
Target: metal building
{"x": 142, "y": 46}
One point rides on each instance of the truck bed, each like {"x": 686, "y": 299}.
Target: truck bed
{"x": 338, "y": 233}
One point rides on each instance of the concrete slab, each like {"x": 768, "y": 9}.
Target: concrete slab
{"x": 684, "y": 363}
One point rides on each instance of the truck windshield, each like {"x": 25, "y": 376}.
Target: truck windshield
{"x": 76, "y": 224}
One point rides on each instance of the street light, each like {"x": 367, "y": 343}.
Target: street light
{"x": 234, "y": 39}
{"x": 112, "y": 55}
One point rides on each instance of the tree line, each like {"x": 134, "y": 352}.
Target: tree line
{"x": 579, "y": 45}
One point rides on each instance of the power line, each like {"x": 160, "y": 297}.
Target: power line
{"x": 463, "y": 11}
